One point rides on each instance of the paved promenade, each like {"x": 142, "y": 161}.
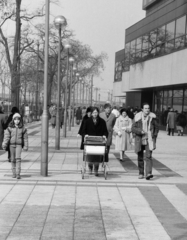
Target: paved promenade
{"x": 62, "y": 206}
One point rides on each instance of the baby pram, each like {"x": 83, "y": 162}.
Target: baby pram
{"x": 94, "y": 145}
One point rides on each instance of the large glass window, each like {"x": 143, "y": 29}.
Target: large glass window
{"x": 152, "y": 42}
{"x": 138, "y": 49}
{"x": 170, "y": 34}
{"x": 180, "y": 32}
{"x": 178, "y": 100}
{"x": 127, "y": 57}
{"x": 161, "y": 39}
{"x": 133, "y": 52}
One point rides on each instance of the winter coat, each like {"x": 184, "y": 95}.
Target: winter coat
{"x": 181, "y": 120}
{"x": 122, "y": 129}
{"x": 110, "y": 121}
{"x": 80, "y": 132}
{"x": 98, "y": 129}
{"x": 78, "y": 114}
{"x": 3, "y": 126}
{"x": 92, "y": 129}
{"x": 171, "y": 120}
{"x": 137, "y": 128}
{"x": 15, "y": 136}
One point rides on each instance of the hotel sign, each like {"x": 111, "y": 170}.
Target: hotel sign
{"x": 146, "y": 3}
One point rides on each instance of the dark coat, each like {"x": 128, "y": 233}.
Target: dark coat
{"x": 3, "y": 126}
{"x": 98, "y": 129}
{"x": 171, "y": 120}
{"x": 137, "y": 130}
{"x": 80, "y": 132}
{"x": 78, "y": 114}
{"x": 110, "y": 122}
{"x": 181, "y": 120}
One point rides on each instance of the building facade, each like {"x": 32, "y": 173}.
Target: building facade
{"x": 154, "y": 63}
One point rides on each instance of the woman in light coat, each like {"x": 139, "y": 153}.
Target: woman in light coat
{"x": 122, "y": 129}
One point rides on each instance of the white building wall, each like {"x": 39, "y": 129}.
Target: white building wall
{"x": 162, "y": 71}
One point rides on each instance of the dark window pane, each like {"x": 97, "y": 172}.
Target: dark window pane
{"x": 118, "y": 72}
{"x": 139, "y": 44}
{"x": 170, "y": 30}
{"x": 177, "y": 104}
{"x": 153, "y": 40}
{"x": 133, "y": 46}
{"x": 178, "y": 93}
{"x": 170, "y": 46}
{"x": 185, "y": 93}
{"x": 127, "y": 47}
{"x": 161, "y": 35}
{"x": 168, "y": 93}
{"x": 144, "y": 53}
{"x": 138, "y": 56}
{"x": 152, "y": 52}
{"x": 160, "y": 50}
{"x": 180, "y": 42}
{"x": 127, "y": 57}
{"x": 145, "y": 41}
{"x": 180, "y": 26}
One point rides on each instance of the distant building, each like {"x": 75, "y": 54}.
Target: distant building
{"x": 153, "y": 66}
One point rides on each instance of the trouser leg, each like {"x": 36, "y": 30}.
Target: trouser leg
{"x": 141, "y": 161}
{"x": 18, "y": 166}
{"x": 96, "y": 168}
{"x": 169, "y": 131}
{"x": 13, "y": 161}
{"x": 148, "y": 161}
{"x": 121, "y": 154}
{"x": 172, "y": 130}
{"x": 107, "y": 153}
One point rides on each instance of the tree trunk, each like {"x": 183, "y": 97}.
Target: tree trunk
{"x": 15, "y": 75}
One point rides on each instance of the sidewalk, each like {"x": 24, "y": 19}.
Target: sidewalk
{"x": 63, "y": 206}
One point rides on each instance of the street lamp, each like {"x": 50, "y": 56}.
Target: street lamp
{"x": 60, "y": 23}
{"x": 80, "y": 90}
{"x": 73, "y": 92}
{"x": 71, "y": 60}
{"x": 67, "y": 46}
{"x": 45, "y": 130}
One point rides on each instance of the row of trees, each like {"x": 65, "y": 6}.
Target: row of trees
{"x": 22, "y": 54}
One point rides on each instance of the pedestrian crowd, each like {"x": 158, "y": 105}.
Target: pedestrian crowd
{"x": 132, "y": 128}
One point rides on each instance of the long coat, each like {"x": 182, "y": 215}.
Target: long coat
{"x": 171, "y": 120}
{"x": 80, "y": 132}
{"x": 3, "y": 126}
{"x": 110, "y": 121}
{"x": 122, "y": 143}
{"x": 137, "y": 128}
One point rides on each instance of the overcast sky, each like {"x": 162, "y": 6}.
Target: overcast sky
{"x": 100, "y": 24}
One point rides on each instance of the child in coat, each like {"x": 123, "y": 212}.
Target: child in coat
{"x": 16, "y": 137}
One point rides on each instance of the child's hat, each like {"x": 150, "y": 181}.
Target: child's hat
{"x": 16, "y": 115}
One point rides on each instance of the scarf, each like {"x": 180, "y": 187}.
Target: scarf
{"x": 146, "y": 127}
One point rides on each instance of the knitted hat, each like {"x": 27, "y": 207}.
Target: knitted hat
{"x": 16, "y": 115}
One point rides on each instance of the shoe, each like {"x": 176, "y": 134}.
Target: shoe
{"x": 96, "y": 174}
{"x": 121, "y": 160}
{"x": 18, "y": 176}
{"x": 149, "y": 176}
{"x": 13, "y": 175}
{"x": 9, "y": 160}
{"x": 140, "y": 176}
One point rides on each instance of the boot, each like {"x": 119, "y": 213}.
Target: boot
{"x": 18, "y": 168}
{"x": 90, "y": 166}
{"x": 13, "y": 164}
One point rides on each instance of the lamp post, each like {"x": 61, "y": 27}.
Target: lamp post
{"x": 45, "y": 130}
{"x": 80, "y": 90}
{"x": 66, "y": 46}
{"x": 91, "y": 90}
{"x": 37, "y": 83}
{"x": 59, "y": 22}
{"x": 71, "y": 60}
{"x": 73, "y": 92}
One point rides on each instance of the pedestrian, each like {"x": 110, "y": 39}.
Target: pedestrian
{"x": 181, "y": 123}
{"x": 16, "y": 136}
{"x": 78, "y": 115}
{"x": 122, "y": 128}
{"x": 110, "y": 120}
{"x": 145, "y": 128}
{"x": 80, "y": 132}
{"x": 94, "y": 126}
{"x": 171, "y": 121}
{"x": 53, "y": 112}
{"x": 13, "y": 111}
{"x": 3, "y": 125}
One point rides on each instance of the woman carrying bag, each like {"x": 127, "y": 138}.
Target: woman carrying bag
{"x": 122, "y": 129}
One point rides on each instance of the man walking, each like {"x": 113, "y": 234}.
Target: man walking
{"x": 145, "y": 128}
{"x": 110, "y": 120}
